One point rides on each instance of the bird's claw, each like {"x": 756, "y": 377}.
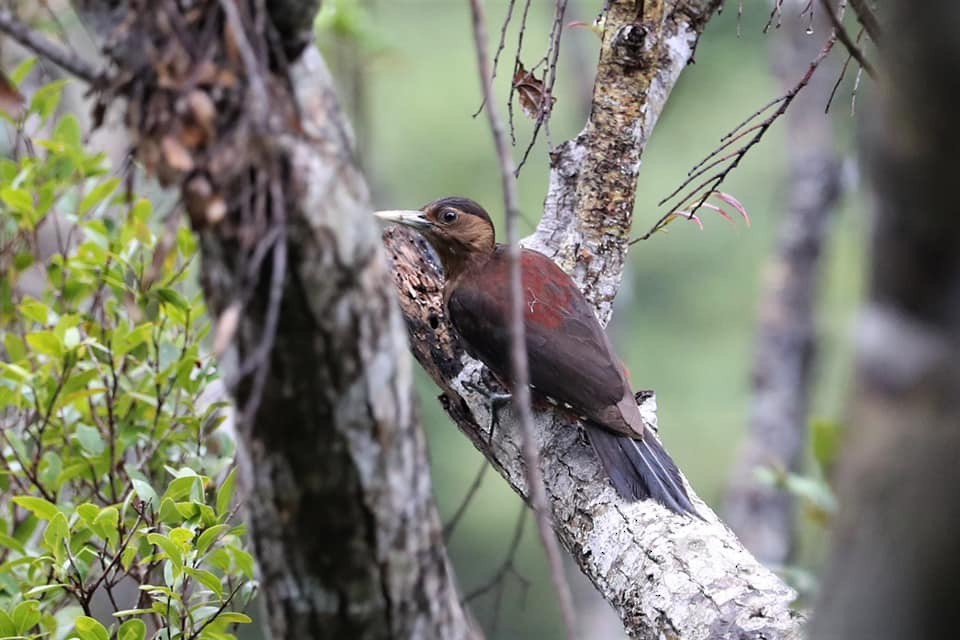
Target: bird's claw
{"x": 496, "y": 400}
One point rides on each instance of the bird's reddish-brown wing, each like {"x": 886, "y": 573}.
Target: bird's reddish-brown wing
{"x": 570, "y": 357}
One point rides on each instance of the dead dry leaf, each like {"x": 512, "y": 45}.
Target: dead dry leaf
{"x": 531, "y": 92}
{"x": 176, "y": 155}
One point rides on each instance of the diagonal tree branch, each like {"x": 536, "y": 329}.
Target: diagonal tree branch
{"x": 667, "y": 575}
{"x": 836, "y": 19}
{"x": 868, "y": 19}
{"x": 48, "y": 49}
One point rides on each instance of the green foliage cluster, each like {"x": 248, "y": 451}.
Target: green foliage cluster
{"x": 812, "y": 489}
{"x": 116, "y": 517}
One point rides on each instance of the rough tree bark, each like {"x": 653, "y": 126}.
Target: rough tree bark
{"x": 342, "y": 515}
{"x": 667, "y": 576}
{"x": 894, "y": 566}
{"x": 762, "y": 515}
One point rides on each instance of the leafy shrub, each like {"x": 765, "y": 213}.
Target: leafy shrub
{"x": 116, "y": 517}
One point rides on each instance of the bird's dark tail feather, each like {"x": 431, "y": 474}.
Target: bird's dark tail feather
{"x": 641, "y": 469}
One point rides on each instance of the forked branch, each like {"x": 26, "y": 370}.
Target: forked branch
{"x": 704, "y": 179}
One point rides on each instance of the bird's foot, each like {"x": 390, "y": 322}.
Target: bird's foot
{"x": 496, "y": 401}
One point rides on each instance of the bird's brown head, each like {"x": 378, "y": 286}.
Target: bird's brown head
{"x": 459, "y": 229}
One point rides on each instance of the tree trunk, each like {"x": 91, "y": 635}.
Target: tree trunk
{"x": 343, "y": 521}
{"x": 894, "y": 565}
{"x": 667, "y": 575}
{"x": 762, "y": 515}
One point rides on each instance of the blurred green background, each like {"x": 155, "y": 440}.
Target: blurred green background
{"x": 686, "y": 315}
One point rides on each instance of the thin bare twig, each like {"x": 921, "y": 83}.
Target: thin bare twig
{"x": 550, "y": 59}
{"x": 703, "y": 190}
{"x": 775, "y": 12}
{"x": 497, "y": 581}
{"x": 500, "y": 46}
{"x": 450, "y": 526}
{"x": 844, "y": 36}
{"x": 853, "y": 95}
{"x": 518, "y": 352}
{"x": 842, "y": 75}
{"x": 516, "y": 63}
{"x": 48, "y": 49}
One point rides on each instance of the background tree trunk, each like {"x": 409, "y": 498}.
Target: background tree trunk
{"x": 344, "y": 526}
{"x": 762, "y": 515}
{"x": 894, "y": 566}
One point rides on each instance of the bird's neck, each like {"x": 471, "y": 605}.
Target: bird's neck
{"x": 458, "y": 260}
{"x": 457, "y": 265}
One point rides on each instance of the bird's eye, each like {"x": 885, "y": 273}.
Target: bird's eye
{"x": 448, "y": 215}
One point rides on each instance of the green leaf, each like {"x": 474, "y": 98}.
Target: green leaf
{"x": 814, "y": 491}
{"x": 22, "y": 70}
{"x": 190, "y": 487}
{"x": 123, "y": 343}
{"x": 182, "y": 536}
{"x": 169, "y": 547}
{"x": 14, "y": 372}
{"x": 220, "y": 559}
{"x": 145, "y": 492}
{"x": 44, "y": 588}
{"x": 209, "y": 536}
{"x": 106, "y": 525}
{"x": 169, "y": 512}
{"x": 35, "y": 310}
{"x": 37, "y": 506}
{"x": 90, "y": 439}
{"x": 234, "y": 617}
{"x": 207, "y": 579}
{"x": 244, "y": 561}
{"x": 79, "y": 380}
{"x": 23, "y": 261}
{"x": 98, "y": 194}
{"x": 26, "y": 616}
{"x": 142, "y": 210}
{"x": 90, "y": 629}
{"x": 88, "y": 511}
{"x": 16, "y": 349}
{"x": 11, "y": 543}
{"x": 51, "y": 466}
{"x": 56, "y": 533}
{"x": 225, "y": 493}
{"x": 7, "y": 627}
{"x": 172, "y": 297}
{"x": 46, "y": 343}
{"x": 68, "y": 131}
{"x": 131, "y": 612}
{"x": 134, "y": 629}
{"x": 128, "y": 556}
{"x": 17, "y": 199}
{"x": 46, "y": 99}
{"x": 826, "y": 436}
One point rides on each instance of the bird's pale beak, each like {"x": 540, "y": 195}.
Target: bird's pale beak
{"x": 413, "y": 218}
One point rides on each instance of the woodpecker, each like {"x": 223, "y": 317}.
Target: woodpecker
{"x": 571, "y": 361}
